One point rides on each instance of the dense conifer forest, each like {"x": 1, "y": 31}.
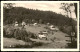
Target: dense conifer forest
{"x": 22, "y": 14}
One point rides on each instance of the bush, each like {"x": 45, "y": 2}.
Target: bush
{"x": 69, "y": 29}
{"x": 8, "y": 32}
{"x": 4, "y": 33}
{"x": 18, "y": 33}
{"x": 31, "y": 35}
{"x": 72, "y": 45}
{"x": 66, "y": 29}
{"x": 22, "y": 34}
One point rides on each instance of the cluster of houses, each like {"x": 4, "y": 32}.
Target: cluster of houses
{"x": 41, "y": 34}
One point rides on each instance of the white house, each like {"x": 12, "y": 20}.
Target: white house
{"x": 16, "y": 24}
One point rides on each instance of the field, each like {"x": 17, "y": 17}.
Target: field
{"x": 55, "y": 40}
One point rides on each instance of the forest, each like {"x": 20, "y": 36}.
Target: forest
{"x": 22, "y": 14}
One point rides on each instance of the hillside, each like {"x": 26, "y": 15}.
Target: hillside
{"x": 22, "y": 14}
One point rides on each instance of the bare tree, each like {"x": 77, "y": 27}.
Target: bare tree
{"x": 69, "y": 8}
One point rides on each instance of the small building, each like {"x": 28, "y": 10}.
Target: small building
{"x": 41, "y": 35}
{"x": 45, "y": 32}
{"x": 16, "y": 24}
{"x": 35, "y": 24}
{"x": 53, "y": 28}
{"x": 23, "y": 23}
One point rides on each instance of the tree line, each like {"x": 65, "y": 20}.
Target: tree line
{"x": 29, "y": 15}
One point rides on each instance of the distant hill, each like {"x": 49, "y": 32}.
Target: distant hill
{"x": 22, "y": 14}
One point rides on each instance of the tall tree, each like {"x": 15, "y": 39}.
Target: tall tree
{"x": 8, "y": 5}
{"x": 7, "y": 9}
{"x": 69, "y": 9}
{"x": 75, "y": 5}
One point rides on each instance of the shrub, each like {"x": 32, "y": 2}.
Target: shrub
{"x": 4, "y": 33}
{"x": 22, "y": 34}
{"x": 8, "y": 32}
{"x": 72, "y": 45}
{"x": 18, "y": 33}
{"x": 66, "y": 29}
{"x": 31, "y": 35}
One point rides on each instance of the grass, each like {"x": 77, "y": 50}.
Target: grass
{"x": 12, "y": 41}
{"x": 59, "y": 36}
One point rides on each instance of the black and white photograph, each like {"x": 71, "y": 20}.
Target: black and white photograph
{"x": 39, "y": 25}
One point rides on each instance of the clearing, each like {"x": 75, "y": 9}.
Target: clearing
{"x": 59, "y": 41}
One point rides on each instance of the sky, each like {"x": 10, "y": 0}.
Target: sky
{"x": 43, "y": 6}
{"x": 55, "y": 7}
